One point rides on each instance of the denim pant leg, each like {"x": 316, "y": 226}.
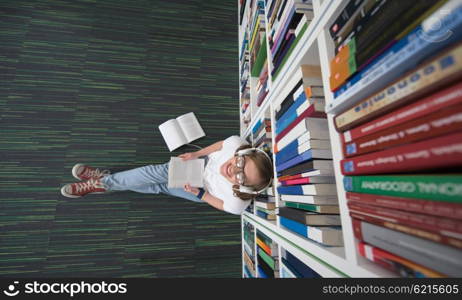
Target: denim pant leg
{"x": 152, "y": 179}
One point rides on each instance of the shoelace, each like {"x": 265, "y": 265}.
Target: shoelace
{"x": 91, "y": 173}
{"x": 87, "y": 185}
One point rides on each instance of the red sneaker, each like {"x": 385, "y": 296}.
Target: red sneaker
{"x": 83, "y": 172}
{"x": 79, "y": 189}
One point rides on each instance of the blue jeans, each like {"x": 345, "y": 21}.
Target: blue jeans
{"x": 150, "y": 179}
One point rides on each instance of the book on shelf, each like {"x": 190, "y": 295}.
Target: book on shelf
{"x": 296, "y": 266}
{"x": 442, "y": 70}
{"x": 312, "y": 165}
{"x": 349, "y": 14}
{"x": 310, "y": 218}
{"x": 310, "y": 173}
{"x": 287, "y": 272}
{"x": 250, "y": 264}
{"x": 404, "y": 55}
{"x": 265, "y": 271}
{"x": 325, "y": 235}
{"x": 434, "y": 208}
{"x": 434, "y": 187}
{"x": 307, "y": 180}
{"x": 265, "y": 243}
{"x": 394, "y": 263}
{"x": 317, "y": 189}
{"x": 431, "y": 234}
{"x": 444, "y": 121}
{"x": 265, "y": 205}
{"x": 265, "y": 198}
{"x": 265, "y": 215}
{"x": 441, "y": 258}
{"x": 268, "y": 259}
{"x": 322, "y": 209}
{"x": 317, "y": 128}
{"x": 310, "y": 199}
{"x": 434, "y": 153}
{"x": 299, "y": 106}
{"x": 310, "y": 154}
{"x": 181, "y": 131}
{"x": 295, "y": 148}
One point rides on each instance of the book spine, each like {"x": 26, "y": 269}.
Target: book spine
{"x": 307, "y": 155}
{"x": 435, "y": 208}
{"x": 344, "y": 17}
{"x": 447, "y": 97}
{"x": 297, "y": 181}
{"x": 441, "y": 152}
{"x": 290, "y": 151}
{"x": 446, "y": 188}
{"x": 288, "y": 101}
{"x": 424, "y": 233}
{"x": 437, "y": 124}
{"x": 448, "y": 227}
{"x": 441, "y": 70}
{"x": 439, "y": 257}
{"x": 400, "y": 57}
{"x": 309, "y": 112}
{"x": 291, "y": 114}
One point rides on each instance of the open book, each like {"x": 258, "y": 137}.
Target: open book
{"x": 180, "y": 131}
{"x": 181, "y": 172}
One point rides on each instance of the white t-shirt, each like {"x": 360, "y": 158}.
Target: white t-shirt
{"x": 216, "y": 184}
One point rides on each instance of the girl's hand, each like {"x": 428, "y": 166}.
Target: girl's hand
{"x": 188, "y": 155}
{"x": 191, "y": 189}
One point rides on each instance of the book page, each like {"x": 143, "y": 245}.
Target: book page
{"x": 191, "y": 127}
{"x": 172, "y": 134}
{"x": 181, "y": 172}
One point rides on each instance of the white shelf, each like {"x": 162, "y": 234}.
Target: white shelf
{"x": 315, "y": 48}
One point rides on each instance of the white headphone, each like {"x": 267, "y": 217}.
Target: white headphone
{"x": 248, "y": 189}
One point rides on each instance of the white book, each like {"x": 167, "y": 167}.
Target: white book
{"x": 181, "y": 172}
{"x": 180, "y": 131}
{"x": 309, "y": 199}
{"x": 318, "y": 172}
{"x": 317, "y": 128}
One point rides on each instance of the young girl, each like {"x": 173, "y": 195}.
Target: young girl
{"x": 233, "y": 176}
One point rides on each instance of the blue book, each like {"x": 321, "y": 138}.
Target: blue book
{"x": 326, "y": 235}
{"x": 288, "y": 152}
{"x": 307, "y": 155}
{"x": 299, "y": 267}
{"x": 257, "y": 126}
{"x": 404, "y": 55}
{"x": 261, "y": 273}
{"x": 290, "y": 115}
{"x": 317, "y": 189}
{"x": 261, "y": 214}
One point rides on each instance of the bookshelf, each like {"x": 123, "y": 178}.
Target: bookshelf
{"x": 314, "y": 47}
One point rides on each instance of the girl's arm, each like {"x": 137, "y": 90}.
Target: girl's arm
{"x": 203, "y": 152}
{"x": 211, "y": 200}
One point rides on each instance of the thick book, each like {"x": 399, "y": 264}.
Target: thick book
{"x": 441, "y": 258}
{"x": 306, "y": 180}
{"x": 181, "y": 131}
{"x": 402, "y": 56}
{"x": 307, "y": 166}
{"x": 305, "y": 137}
{"x": 182, "y": 172}
{"x": 305, "y": 156}
{"x": 443, "y": 226}
{"x": 324, "y": 172}
{"x": 317, "y": 127}
{"x": 444, "y": 121}
{"x": 427, "y": 77}
{"x": 309, "y": 199}
{"x": 297, "y": 266}
{"x": 309, "y": 218}
{"x": 434, "y": 187}
{"x": 318, "y": 189}
{"x": 434, "y": 208}
{"x": 294, "y": 148}
{"x": 326, "y": 235}
{"x": 265, "y": 215}
{"x": 449, "y": 96}
{"x": 322, "y": 209}
{"x": 435, "y": 153}
{"x": 397, "y": 264}
{"x": 431, "y": 234}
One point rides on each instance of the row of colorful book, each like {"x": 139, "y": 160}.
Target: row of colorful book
{"x": 287, "y": 20}
{"x": 248, "y": 254}
{"x": 292, "y": 267}
{"x": 303, "y": 159}
{"x": 402, "y": 138}
{"x": 267, "y": 258}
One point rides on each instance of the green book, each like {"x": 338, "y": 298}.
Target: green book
{"x": 325, "y": 209}
{"x": 268, "y": 259}
{"x": 434, "y": 187}
{"x": 260, "y": 60}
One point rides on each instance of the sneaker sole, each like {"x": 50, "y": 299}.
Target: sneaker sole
{"x": 65, "y": 194}
{"x": 74, "y": 171}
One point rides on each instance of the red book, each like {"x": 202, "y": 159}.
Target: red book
{"x": 309, "y": 112}
{"x": 444, "y": 226}
{"x": 441, "y": 152}
{"x": 427, "y": 234}
{"x": 447, "y": 97}
{"x": 435, "y": 208}
{"x": 441, "y": 122}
